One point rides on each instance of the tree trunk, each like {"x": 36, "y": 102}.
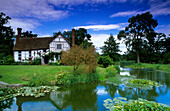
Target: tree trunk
{"x": 138, "y": 59}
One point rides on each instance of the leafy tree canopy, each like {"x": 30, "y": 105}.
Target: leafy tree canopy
{"x": 28, "y": 34}
{"x": 140, "y": 26}
{"x": 111, "y": 48}
{"x": 6, "y": 35}
{"x": 81, "y": 37}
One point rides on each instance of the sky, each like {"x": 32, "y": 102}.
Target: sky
{"x": 100, "y": 17}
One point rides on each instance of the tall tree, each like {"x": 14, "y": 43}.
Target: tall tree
{"x": 135, "y": 33}
{"x": 111, "y": 48}
{"x": 6, "y": 35}
{"x": 81, "y": 37}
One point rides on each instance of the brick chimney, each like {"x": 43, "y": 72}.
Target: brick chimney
{"x": 19, "y": 34}
{"x": 73, "y": 37}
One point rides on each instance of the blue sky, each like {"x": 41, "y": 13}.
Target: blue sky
{"x": 99, "y": 17}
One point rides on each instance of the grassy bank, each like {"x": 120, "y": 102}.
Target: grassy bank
{"x": 34, "y": 75}
{"x": 163, "y": 67}
{"x": 23, "y": 74}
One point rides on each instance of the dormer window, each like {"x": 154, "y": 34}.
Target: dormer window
{"x": 58, "y": 46}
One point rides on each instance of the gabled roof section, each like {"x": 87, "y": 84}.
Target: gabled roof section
{"x": 36, "y": 43}
{"x": 59, "y": 33}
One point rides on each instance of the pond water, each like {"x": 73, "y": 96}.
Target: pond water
{"x": 89, "y": 97}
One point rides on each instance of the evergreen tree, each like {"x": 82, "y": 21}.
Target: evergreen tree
{"x": 6, "y": 35}
{"x": 111, "y": 48}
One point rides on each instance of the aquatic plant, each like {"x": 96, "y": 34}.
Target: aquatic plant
{"x": 6, "y": 93}
{"x": 142, "y": 83}
{"x": 122, "y": 104}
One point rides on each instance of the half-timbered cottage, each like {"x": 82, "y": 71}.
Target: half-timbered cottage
{"x": 27, "y": 49}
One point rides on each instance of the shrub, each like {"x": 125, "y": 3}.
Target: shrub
{"x": 166, "y": 58}
{"x": 105, "y": 61}
{"x": 8, "y": 60}
{"x": 117, "y": 68}
{"x": 37, "y": 61}
{"x": 70, "y": 78}
{"x": 77, "y": 56}
{"x": 111, "y": 71}
{"x": 38, "y": 80}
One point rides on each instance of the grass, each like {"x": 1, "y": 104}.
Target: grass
{"x": 22, "y": 74}
{"x": 163, "y": 67}
{"x": 33, "y": 75}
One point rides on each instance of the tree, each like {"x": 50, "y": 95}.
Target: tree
{"x": 77, "y": 56}
{"x": 111, "y": 48}
{"x": 28, "y": 34}
{"x": 139, "y": 27}
{"x": 81, "y": 37}
{"x": 6, "y": 35}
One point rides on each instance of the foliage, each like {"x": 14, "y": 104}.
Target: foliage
{"x": 8, "y": 60}
{"x": 117, "y": 68}
{"x": 166, "y": 58}
{"x": 140, "y": 26}
{"x": 6, "y": 35}
{"x": 126, "y": 63}
{"x": 164, "y": 67}
{"x": 111, "y": 71}
{"x": 114, "y": 80}
{"x": 37, "y": 61}
{"x": 121, "y": 103}
{"x": 70, "y": 78}
{"x": 81, "y": 37}
{"x": 142, "y": 83}
{"x": 57, "y": 63}
{"x": 77, "y": 56}
{"x": 6, "y": 93}
{"x": 39, "y": 80}
{"x": 28, "y": 34}
{"x": 111, "y": 48}
{"x": 105, "y": 61}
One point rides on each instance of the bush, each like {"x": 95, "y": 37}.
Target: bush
{"x": 117, "y": 68}
{"x": 70, "y": 78}
{"x": 37, "y": 61}
{"x": 105, "y": 61}
{"x": 38, "y": 80}
{"x": 8, "y": 60}
{"x": 166, "y": 58}
{"x": 111, "y": 71}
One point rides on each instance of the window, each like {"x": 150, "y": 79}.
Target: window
{"x": 58, "y": 46}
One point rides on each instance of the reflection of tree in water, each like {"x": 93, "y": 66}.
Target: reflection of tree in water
{"x": 82, "y": 97}
{"x": 6, "y": 104}
{"x": 134, "y": 93}
{"x": 161, "y": 77}
{"x": 111, "y": 89}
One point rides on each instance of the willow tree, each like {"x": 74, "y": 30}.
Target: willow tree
{"x": 136, "y": 32}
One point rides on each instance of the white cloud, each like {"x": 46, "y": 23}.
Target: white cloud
{"x": 99, "y": 39}
{"x": 31, "y": 9}
{"x": 119, "y": 26}
{"x": 25, "y": 24}
{"x": 164, "y": 29}
{"x": 156, "y": 8}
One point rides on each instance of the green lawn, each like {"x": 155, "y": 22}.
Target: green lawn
{"x": 22, "y": 74}
{"x": 164, "y": 67}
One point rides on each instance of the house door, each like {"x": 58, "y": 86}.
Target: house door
{"x": 46, "y": 59}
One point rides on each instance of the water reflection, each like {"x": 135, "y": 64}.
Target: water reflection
{"x": 89, "y": 97}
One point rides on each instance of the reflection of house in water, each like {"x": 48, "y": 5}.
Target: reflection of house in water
{"x": 57, "y": 99}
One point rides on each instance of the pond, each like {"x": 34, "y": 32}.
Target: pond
{"x": 89, "y": 97}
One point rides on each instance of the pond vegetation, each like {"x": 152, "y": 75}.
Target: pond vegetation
{"x": 6, "y": 93}
{"x": 122, "y": 104}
